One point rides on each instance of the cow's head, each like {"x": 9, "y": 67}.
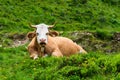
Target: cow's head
{"x": 31, "y": 35}
{"x": 42, "y": 33}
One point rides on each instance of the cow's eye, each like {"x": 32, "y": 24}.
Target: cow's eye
{"x": 47, "y": 33}
{"x": 37, "y": 34}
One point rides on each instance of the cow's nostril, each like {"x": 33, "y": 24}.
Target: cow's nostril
{"x": 42, "y": 40}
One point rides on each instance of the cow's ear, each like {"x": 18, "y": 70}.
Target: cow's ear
{"x": 54, "y": 33}
{"x": 31, "y": 35}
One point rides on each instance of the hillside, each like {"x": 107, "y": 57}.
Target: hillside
{"x": 93, "y": 24}
{"x": 70, "y": 15}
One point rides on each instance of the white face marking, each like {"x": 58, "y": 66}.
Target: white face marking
{"x": 42, "y": 30}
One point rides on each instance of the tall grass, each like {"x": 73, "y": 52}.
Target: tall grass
{"x": 15, "y": 64}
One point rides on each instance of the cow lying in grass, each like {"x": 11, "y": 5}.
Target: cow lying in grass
{"x": 43, "y": 44}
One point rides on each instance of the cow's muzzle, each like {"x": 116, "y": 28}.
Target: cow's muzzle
{"x": 42, "y": 44}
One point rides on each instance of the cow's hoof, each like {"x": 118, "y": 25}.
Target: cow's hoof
{"x": 34, "y": 56}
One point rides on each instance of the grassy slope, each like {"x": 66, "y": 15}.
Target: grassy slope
{"x": 19, "y": 66}
{"x": 70, "y": 15}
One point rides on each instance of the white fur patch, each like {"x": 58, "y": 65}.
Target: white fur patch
{"x": 35, "y": 57}
{"x": 42, "y": 49}
{"x": 80, "y": 51}
{"x": 45, "y": 55}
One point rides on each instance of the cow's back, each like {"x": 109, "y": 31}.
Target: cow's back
{"x": 67, "y": 46}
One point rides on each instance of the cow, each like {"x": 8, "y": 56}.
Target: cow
{"x": 44, "y": 44}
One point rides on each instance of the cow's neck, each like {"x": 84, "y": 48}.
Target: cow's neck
{"x": 42, "y": 49}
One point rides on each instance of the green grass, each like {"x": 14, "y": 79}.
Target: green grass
{"x": 69, "y": 14}
{"x": 16, "y": 64}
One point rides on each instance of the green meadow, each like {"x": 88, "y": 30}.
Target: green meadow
{"x": 93, "y": 24}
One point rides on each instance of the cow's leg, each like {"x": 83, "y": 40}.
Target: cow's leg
{"x": 34, "y": 56}
{"x": 33, "y": 52}
{"x": 57, "y": 53}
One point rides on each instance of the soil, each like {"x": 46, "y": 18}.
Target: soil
{"x": 92, "y": 42}
{"x": 18, "y": 40}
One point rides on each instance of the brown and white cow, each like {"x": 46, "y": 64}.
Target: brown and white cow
{"x": 43, "y": 44}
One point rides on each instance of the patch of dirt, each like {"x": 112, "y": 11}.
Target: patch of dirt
{"x": 18, "y": 40}
{"x": 90, "y": 42}
{"x": 116, "y": 36}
